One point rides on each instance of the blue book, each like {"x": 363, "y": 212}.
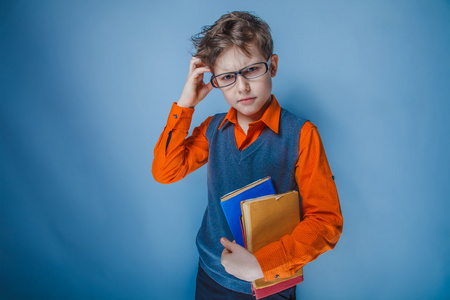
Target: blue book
{"x": 231, "y": 204}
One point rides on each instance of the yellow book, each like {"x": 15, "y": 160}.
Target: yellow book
{"x": 266, "y": 220}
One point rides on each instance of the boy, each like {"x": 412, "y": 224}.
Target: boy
{"x": 255, "y": 139}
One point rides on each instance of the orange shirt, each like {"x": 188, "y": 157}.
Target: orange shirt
{"x": 177, "y": 155}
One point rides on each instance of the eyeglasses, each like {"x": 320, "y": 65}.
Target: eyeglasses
{"x": 249, "y": 72}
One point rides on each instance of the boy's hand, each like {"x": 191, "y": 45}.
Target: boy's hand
{"x": 240, "y": 262}
{"x": 195, "y": 90}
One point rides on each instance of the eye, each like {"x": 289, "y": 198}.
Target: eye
{"x": 227, "y": 77}
{"x": 253, "y": 70}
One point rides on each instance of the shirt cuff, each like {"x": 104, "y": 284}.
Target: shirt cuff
{"x": 180, "y": 117}
{"x": 273, "y": 262}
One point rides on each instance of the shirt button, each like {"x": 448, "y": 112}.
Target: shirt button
{"x": 175, "y": 116}
{"x": 276, "y": 276}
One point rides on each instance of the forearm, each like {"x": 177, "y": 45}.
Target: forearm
{"x": 312, "y": 237}
{"x": 175, "y": 156}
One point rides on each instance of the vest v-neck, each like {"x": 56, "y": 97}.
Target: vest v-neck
{"x": 242, "y": 154}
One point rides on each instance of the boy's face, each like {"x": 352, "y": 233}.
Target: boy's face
{"x": 249, "y": 97}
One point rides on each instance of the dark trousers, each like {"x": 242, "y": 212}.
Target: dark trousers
{"x": 208, "y": 289}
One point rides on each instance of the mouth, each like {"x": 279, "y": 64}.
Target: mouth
{"x": 246, "y": 100}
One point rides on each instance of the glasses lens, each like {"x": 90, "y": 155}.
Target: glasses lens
{"x": 224, "y": 79}
{"x": 254, "y": 70}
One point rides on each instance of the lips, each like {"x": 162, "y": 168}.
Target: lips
{"x": 246, "y": 100}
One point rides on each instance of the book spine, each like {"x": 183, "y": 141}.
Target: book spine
{"x": 270, "y": 290}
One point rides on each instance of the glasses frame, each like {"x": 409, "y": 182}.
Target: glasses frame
{"x": 267, "y": 64}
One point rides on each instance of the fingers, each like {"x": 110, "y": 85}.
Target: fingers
{"x": 198, "y": 65}
{"x": 195, "y": 89}
{"x": 195, "y": 64}
{"x": 225, "y": 252}
{"x": 196, "y": 70}
{"x": 197, "y": 73}
{"x": 224, "y": 242}
{"x": 224, "y": 255}
{"x": 230, "y": 246}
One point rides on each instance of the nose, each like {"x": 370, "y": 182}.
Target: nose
{"x": 242, "y": 84}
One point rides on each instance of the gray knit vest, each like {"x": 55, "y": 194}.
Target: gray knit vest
{"x": 272, "y": 154}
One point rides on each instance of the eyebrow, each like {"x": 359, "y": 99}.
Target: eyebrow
{"x": 236, "y": 71}
{"x": 268, "y": 62}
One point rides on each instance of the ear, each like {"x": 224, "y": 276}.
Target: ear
{"x": 273, "y": 65}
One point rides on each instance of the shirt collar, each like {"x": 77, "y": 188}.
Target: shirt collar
{"x": 271, "y": 117}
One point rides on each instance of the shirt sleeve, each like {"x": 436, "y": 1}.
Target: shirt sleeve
{"x": 175, "y": 154}
{"x": 321, "y": 218}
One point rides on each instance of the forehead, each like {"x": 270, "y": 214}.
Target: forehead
{"x": 233, "y": 59}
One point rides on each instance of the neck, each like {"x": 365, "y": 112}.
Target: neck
{"x": 244, "y": 120}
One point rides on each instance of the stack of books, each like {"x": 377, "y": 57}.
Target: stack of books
{"x": 257, "y": 216}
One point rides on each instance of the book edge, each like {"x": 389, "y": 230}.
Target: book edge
{"x": 243, "y": 189}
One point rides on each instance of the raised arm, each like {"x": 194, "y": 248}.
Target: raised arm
{"x": 175, "y": 156}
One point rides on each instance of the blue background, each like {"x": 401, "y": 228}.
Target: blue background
{"x": 85, "y": 90}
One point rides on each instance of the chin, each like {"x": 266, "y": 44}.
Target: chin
{"x": 250, "y": 112}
